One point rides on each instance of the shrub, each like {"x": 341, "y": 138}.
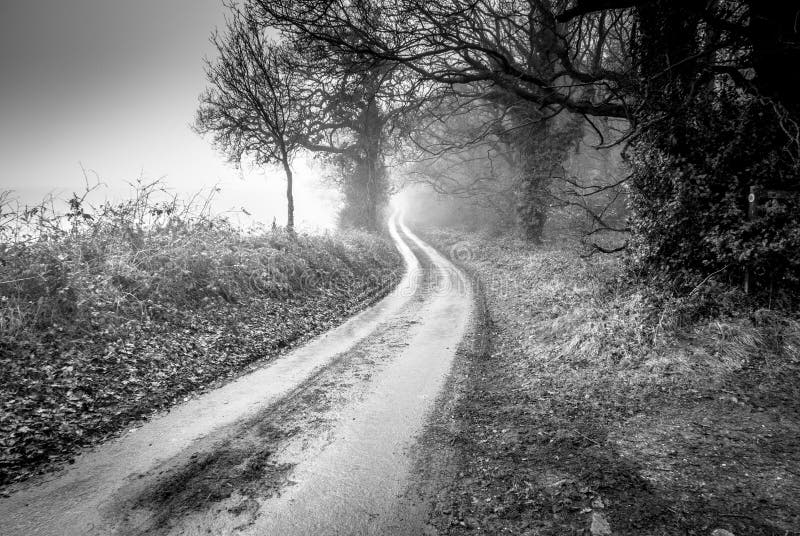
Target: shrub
{"x": 692, "y": 174}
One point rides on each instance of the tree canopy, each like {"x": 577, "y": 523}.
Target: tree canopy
{"x": 256, "y": 106}
{"x": 704, "y": 98}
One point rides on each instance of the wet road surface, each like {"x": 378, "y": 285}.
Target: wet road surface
{"x": 320, "y": 441}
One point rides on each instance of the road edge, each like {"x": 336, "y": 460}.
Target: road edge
{"x": 436, "y": 456}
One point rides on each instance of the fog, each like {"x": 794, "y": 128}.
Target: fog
{"x": 112, "y": 86}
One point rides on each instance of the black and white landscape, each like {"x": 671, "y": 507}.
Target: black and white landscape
{"x": 328, "y": 267}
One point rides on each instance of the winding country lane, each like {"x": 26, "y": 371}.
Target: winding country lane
{"x": 320, "y": 441}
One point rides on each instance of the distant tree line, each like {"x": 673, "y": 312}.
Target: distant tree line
{"x": 704, "y": 98}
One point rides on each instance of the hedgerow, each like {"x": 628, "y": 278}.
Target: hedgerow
{"x": 692, "y": 173}
{"x": 112, "y": 312}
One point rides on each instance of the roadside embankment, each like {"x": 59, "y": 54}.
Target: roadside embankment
{"x": 119, "y": 315}
{"x": 600, "y": 408}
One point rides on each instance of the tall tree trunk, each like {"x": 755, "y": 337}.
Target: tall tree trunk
{"x": 534, "y": 147}
{"x": 372, "y": 197}
{"x": 365, "y": 188}
{"x": 373, "y": 190}
{"x": 289, "y": 195}
{"x": 370, "y": 193}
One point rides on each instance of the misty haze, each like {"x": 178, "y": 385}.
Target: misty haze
{"x": 334, "y": 267}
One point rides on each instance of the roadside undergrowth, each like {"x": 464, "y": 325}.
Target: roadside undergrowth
{"x": 110, "y": 313}
{"x": 603, "y": 408}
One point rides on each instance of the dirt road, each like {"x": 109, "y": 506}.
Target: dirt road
{"x": 318, "y": 442}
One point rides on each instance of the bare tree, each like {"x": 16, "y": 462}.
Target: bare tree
{"x": 579, "y": 54}
{"x": 690, "y": 80}
{"x": 360, "y": 108}
{"x": 516, "y": 47}
{"x": 512, "y": 56}
{"x": 350, "y": 129}
{"x": 256, "y": 105}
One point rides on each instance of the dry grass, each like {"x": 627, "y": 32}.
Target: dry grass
{"x": 142, "y": 257}
{"x": 110, "y": 313}
{"x": 677, "y": 413}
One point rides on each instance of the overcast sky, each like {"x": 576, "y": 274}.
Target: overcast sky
{"x": 113, "y": 85}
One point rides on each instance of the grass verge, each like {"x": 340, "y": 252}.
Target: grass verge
{"x": 111, "y": 314}
{"x": 603, "y": 409}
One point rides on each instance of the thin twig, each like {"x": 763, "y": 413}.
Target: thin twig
{"x": 695, "y": 289}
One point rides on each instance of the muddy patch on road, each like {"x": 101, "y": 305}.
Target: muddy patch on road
{"x": 232, "y": 476}
{"x": 212, "y": 477}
